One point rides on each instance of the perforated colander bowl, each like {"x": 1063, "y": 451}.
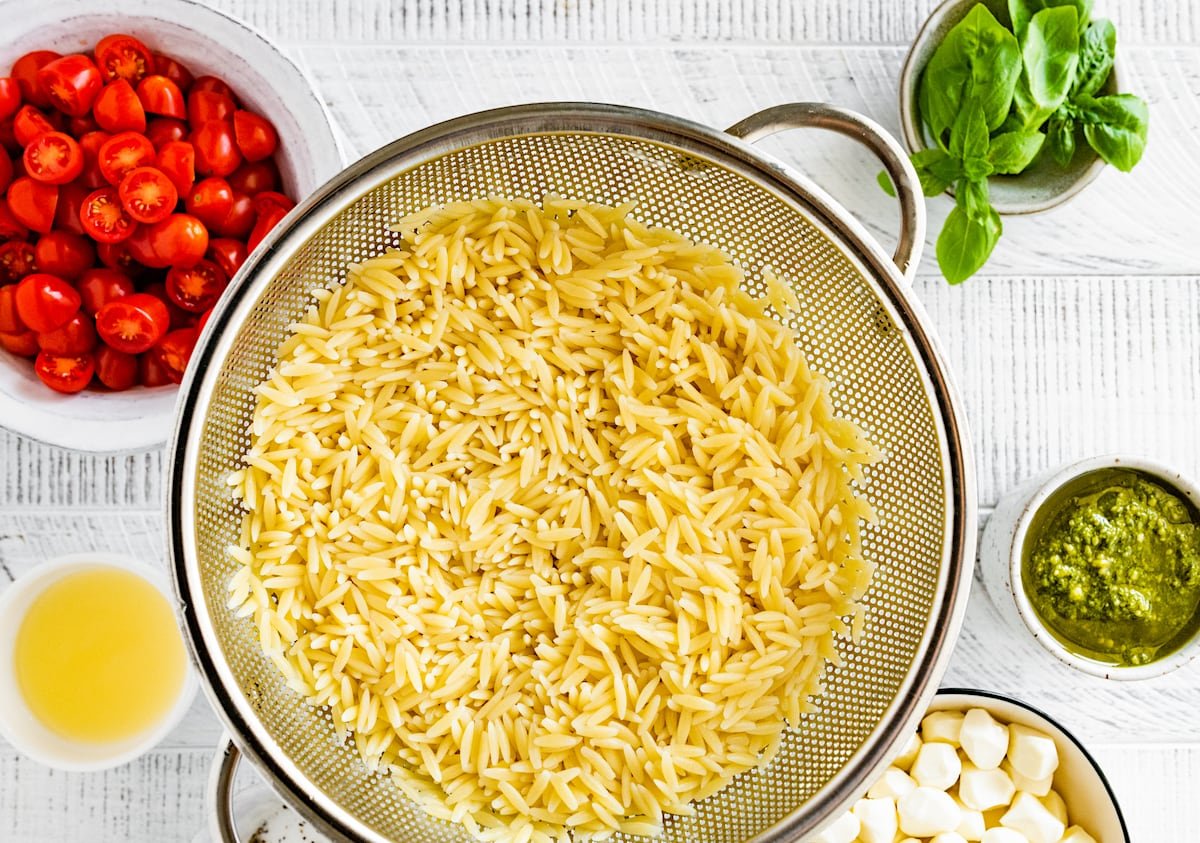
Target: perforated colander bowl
{"x": 858, "y": 323}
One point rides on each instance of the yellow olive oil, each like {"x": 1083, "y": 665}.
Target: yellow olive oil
{"x": 99, "y": 657}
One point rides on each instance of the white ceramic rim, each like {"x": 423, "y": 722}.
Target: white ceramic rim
{"x": 15, "y": 600}
{"x": 1053, "y": 483}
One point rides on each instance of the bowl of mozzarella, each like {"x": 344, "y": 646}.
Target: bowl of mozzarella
{"x": 984, "y": 767}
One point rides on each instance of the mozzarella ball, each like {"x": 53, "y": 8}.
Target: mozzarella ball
{"x": 943, "y": 727}
{"x": 894, "y": 783}
{"x": 844, "y": 830}
{"x": 983, "y": 790}
{"x": 1075, "y": 834}
{"x": 1031, "y": 753}
{"x": 983, "y": 739}
{"x": 1038, "y": 787}
{"x": 1055, "y": 805}
{"x": 927, "y": 811}
{"x": 876, "y": 819}
{"x": 909, "y": 754}
{"x": 949, "y": 837}
{"x": 937, "y": 766}
{"x": 1030, "y": 817}
{"x": 1004, "y": 835}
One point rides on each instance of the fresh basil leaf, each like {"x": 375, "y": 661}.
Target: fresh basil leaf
{"x": 885, "y": 183}
{"x": 1027, "y": 115}
{"x": 1097, "y": 49}
{"x": 1060, "y": 138}
{"x": 1022, "y": 11}
{"x": 936, "y": 170}
{"x": 1050, "y": 54}
{"x": 977, "y": 54}
{"x": 969, "y": 135}
{"x": 972, "y": 196}
{"x": 965, "y": 244}
{"x": 1012, "y": 152}
{"x": 1116, "y": 127}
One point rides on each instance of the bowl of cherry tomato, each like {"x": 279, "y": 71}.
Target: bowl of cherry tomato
{"x": 146, "y": 147}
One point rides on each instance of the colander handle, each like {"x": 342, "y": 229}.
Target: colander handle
{"x": 220, "y": 791}
{"x": 816, "y": 115}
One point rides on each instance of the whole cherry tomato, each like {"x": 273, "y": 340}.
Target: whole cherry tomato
{"x": 267, "y": 219}
{"x": 104, "y": 217}
{"x": 148, "y": 195}
{"x": 44, "y": 302}
{"x": 64, "y": 254}
{"x": 77, "y": 336}
{"x": 241, "y": 217}
{"x": 179, "y": 240}
{"x": 203, "y": 323}
{"x": 174, "y": 70}
{"x": 77, "y": 127}
{"x": 25, "y": 71}
{"x": 212, "y": 83}
{"x": 174, "y": 350}
{"x": 18, "y": 259}
{"x": 196, "y": 288}
{"x": 99, "y": 286}
{"x": 163, "y": 130}
{"x": 33, "y": 203}
{"x": 124, "y": 152}
{"x": 227, "y": 253}
{"x": 210, "y": 201}
{"x": 203, "y": 106}
{"x": 178, "y": 160}
{"x": 151, "y": 371}
{"x": 124, "y": 57}
{"x": 134, "y": 323}
{"x": 71, "y": 83}
{"x": 159, "y": 95}
{"x": 216, "y": 150}
{"x": 270, "y": 199}
{"x": 10, "y": 97}
{"x": 11, "y": 228}
{"x": 22, "y": 344}
{"x": 255, "y": 135}
{"x": 54, "y": 158}
{"x": 10, "y": 319}
{"x": 255, "y": 177}
{"x": 141, "y": 250}
{"x": 116, "y": 369}
{"x": 118, "y": 108}
{"x": 63, "y": 373}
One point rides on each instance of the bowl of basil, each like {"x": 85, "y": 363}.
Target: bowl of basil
{"x": 1013, "y": 107}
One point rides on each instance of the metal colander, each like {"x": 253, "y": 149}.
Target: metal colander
{"x": 858, "y": 323}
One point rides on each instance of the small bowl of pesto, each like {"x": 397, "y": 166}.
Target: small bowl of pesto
{"x": 1100, "y": 561}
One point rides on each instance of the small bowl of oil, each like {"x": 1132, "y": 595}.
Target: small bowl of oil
{"x": 93, "y": 668}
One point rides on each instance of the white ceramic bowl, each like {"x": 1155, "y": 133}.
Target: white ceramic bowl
{"x": 1079, "y": 780}
{"x": 207, "y": 41}
{"x": 19, "y": 726}
{"x": 1001, "y": 554}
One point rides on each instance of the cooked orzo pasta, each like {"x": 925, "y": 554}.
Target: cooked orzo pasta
{"x": 553, "y": 517}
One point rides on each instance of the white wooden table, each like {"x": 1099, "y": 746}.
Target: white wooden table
{"x": 1082, "y": 335}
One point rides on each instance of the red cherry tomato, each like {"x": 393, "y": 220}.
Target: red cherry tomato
{"x": 99, "y": 286}
{"x": 255, "y": 135}
{"x": 124, "y": 57}
{"x": 270, "y": 199}
{"x": 10, "y": 97}
{"x": 67, "y": 374}
{"x": 148, "y": 195}
{"x": 70, "y": 202}
{"x": 179, "y": 318}
{"x": 255, "y": 177}
{"x": 71, "y": 84}
{"x": 8, "y": 138}
{"x": 212, "y": 83}
{"x": 11, "y": 228}
{"x": 90, "y": 144}
{"x": 134, "y": 323}
{"x": 267, "y": 219}
{"x": 122, "y": 153}
{"x": 6, "y": 170}
{"x": 115, "y": 369}
{"x": 25, "y": 71}
{"x": 216, "y": 150}
{"x": 104, "y": 217}
{"x": 151, "y": 371}
{"x": 44, "y": 302}
{"x": 10, "y": 320}
{"x": 17, "y": 259}
{"x": 163, "y": 130}
{"x": 54, "y": 158}
{"x": 210, "y": 201}
{"x": 77, "y": 127}
{"x": 116, "y": 256}
{"x": 64, "y": 254}
{"x": 240, "y": 220}
{"x": 174, "y": 350}
{"x": 23, "y": 344}
{"x": 196, "y": 288}
{"x": 178, "y": 160}
{"x": 203, "y": 106}
{"x": 179, "y": 240}
{"x": 29, "y": 123}
{"x": 77, "y": 336}
{"x": 142, "y": 251}
{"x": 203, "y": 323}
{"x": 159, "y": 95}
{"x": 227, "y": 253}
{"x": 174, "y": 70}
{"x": 33, "y": 203}
{"x": 118, "y": 108}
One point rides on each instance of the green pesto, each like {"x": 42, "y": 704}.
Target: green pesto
{"x": 1112, "y": 567}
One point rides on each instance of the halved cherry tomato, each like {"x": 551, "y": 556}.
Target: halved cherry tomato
{"x": 174, "y": 350}
{"x": 255, "y": 177}
{"x": 11, "y": 228}
{"x": 33, "y": 203}
{"x": 29, "y": 123}
{"x": 116, "y": 256}
{"x": 240, "y": 220}
{"x": 178, "y": 160}
{"x": 118, "y": 108}
{"x": 141, "y": 250}
{"x": 116, "y": 369}
{"x": 267, "y": 219}
{"x": 151, "y": 371}
{"x": 54, "y": 158}
{"x": 71, "y": 83}
{"x": 256, "y": 137}
{"x": 163, "y": 130}
{"x": 196, "y": 288}
{"x": 44, "y": 302}
{"x": 203, "y": 106}
{"x": 25, "y": 71}
{"x": 90, "y": 144}
{"x": 101, "y": 285}
{"x": 174, "y": 70}
{"x": 271, "y": 199}
{"x": 216, "y": 149}
{"x": 64, "y": 254}
{"x": 227, "y": 253}
{"x": 10, "y": 320}
{"x": 77, "y": 127}
{"x": 70, "y": 202}
{"x": 124, "y": 57}
{"x": 122, "y": 153}
{"x": 159, "y": 95}
{"x": 179, "y": 318}
{"x": 148, "y": 195}
{"x": 17, "y": 259}
{"x": 210, "y": 201}
{"x": 64, "y": 373}
{"x": 10, "y": 97}
{"x": 133, "y": 324}
{"x": 179, "y": 240}
{"x": 212, "y": 83}
{"x": 23, "y": 344}
{"x": 77, "y": 336}
{"x": 6, "y": 170}
{"x": 104, "y": 217}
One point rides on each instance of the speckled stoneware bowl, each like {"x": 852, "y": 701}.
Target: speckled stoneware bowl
{"x": 1001, "y": 553}
{"x": 1044, "y": 185}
